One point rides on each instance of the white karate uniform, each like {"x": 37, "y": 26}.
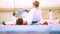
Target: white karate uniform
{"x": 14, "y": 20}
{"x": 35, "y": 15}
{"x": 56, "y": 21}
{"x": 24, "y": 16}
{"x": 51, "y": 17}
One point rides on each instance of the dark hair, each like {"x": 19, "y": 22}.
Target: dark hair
{"x": 19, "y": 21}
{"x": 50, "y": 10}
{"x": 36, "y": 3}
{"x": 14, "y": 14}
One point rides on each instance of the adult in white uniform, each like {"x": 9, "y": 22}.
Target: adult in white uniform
{"x": 35, "y": 15}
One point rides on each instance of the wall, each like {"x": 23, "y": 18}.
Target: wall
{"x": 7, "y": 14}
{"x": 28, "y": 3}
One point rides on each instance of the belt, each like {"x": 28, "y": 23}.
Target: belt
{"x": 34, "y": 22}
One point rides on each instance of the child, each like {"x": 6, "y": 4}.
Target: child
{"x": 19, "y": 21}
{"x": 51, "y": 13}
{"x": 35, "y": 15}
{"x": 14, "y": 18}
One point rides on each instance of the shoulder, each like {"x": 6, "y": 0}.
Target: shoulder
{"x": 39, "y": 9}
{"x": 33, "y": 9}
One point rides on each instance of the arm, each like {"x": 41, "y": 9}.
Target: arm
{"x": 30, "y": 17}
{"x": 41, "y": 18}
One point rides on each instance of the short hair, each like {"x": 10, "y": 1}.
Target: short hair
{"x": 50, "y": 10}
{"x": 36, "y": 3}
{"x": 19, "y": 21}
{"x": 14, "y": 14}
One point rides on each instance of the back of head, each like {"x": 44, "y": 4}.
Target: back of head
{"x": 50, "y": 10}
{"x": 14, "y": 14}
{"x": 19, "y": 21}
{"x": 36, "y": 4}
